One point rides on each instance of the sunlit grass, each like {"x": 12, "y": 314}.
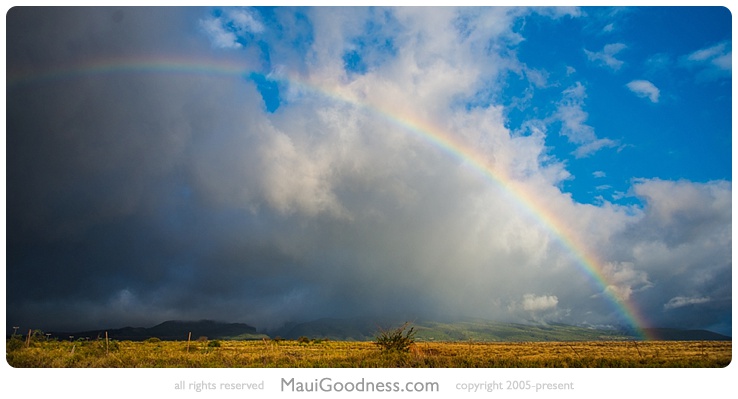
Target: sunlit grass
{"x": 271, "y": 354}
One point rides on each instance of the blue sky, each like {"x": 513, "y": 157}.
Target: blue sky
{"x": 273, "y": 165}
{"x": 676, "y": 126}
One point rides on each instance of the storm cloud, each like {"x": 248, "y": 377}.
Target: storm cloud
{"x": 143, "y": 185}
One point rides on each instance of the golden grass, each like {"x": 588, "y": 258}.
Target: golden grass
{"x": 270, "y": 354}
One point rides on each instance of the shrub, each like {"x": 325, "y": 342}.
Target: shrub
{"x": 152, "y": 340}
{"x": 396, "y": 340}
{"x": 214, "y": 344}
{"x": 303, "y": 340}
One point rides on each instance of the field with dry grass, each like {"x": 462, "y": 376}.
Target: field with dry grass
{"x": 316, "y": 353}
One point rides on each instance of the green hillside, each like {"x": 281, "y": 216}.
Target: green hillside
{"x": 489, "y": 331}
{"x": 469, "y": 329}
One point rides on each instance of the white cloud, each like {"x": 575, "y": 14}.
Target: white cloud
{"x": 708, "y": 53}
{"x": 295, "y": 180}
{"x": 570, "y": 112}
{"x": 624, "y": 279}
{"x": 680, "y": 201}
{"x": 233, "y": 24}
{"x": 219, "y": 35}
{"x": 599, "y": 174}
{"x": 559, "y": 11}
{"x": 245, "y": 20}
{"x": 592, "y": 146}
{"x": 606, "y": 57}
{"x": 644, "y": 88}
{"x": 539, "y": 78}
{"x": 533, "y": 303}
{"x": 681, "y": 301}
{"x": 712, "y": 62}
{"x": 723, "y": 62}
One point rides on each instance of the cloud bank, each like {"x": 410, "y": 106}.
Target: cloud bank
{"x": 140, "y": 194}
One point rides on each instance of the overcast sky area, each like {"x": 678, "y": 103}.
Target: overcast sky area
{"x": 266, "y": 165}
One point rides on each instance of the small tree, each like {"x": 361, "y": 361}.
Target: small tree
{"x": 396, "y": 340}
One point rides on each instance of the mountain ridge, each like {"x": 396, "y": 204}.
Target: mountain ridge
{"x": 173, "y": 330}
{"x": 479, "y": 330}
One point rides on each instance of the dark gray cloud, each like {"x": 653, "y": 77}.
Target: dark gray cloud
{"x": 163, "y": 189}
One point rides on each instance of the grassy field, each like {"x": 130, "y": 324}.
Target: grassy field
{"x": 315, "y": 354}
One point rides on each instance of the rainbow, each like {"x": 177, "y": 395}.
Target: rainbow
{"x": 586, "y": 260}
